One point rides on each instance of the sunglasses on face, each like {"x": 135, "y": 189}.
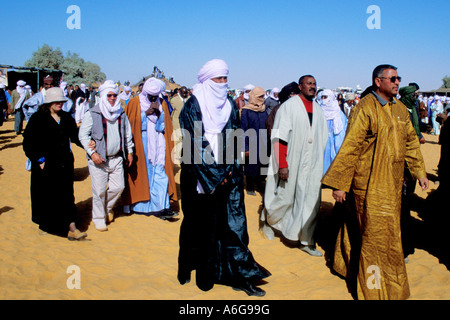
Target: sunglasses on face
{"x": 324, "y": 97}
{"x": 393, "y": 79}
{"x": 109, "y": 95}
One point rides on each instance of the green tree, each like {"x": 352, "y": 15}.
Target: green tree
{"x": 446, "y": 82}
{"x": 76, "y": 69}
{"x": 46, "y": 57}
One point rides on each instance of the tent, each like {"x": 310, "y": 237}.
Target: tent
{"x": 32, "y": 76}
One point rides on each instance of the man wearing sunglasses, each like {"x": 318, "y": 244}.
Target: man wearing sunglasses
{"x": 367, "y": 178}
{"x": 107, "y": 124}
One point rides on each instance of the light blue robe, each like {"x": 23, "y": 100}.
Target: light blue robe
{"x": 334, "y": 142}
{"x": 157, "y": 178}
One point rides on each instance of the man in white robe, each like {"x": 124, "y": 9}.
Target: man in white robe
{"x": 293, "y": 190}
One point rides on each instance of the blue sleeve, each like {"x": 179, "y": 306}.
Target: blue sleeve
{"x": 159, "y": 126}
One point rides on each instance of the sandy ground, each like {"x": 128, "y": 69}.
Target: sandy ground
{"x": 137, "y": 257}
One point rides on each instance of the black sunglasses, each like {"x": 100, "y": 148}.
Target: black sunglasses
{"x": 109, "y": 95}
{"x": 393, "y": 79}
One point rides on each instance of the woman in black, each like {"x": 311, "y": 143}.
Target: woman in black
{"x": 47, "y": 143}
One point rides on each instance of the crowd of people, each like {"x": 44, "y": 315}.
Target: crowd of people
{"x": 295, "y": 141}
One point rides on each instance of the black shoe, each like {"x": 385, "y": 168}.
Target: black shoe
{"x": 250, "y": 289}
{"x": 168, "y": 214}
{"x": 184, "y": 277}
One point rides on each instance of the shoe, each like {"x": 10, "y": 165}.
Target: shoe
{"x": 168, "y": 214}
{"x": 110, "y": 217}
{"x": 184, "y": 277}
{"x": 311, "y": 250}
{"x": 250, "y": 289}
{"x": 251, "y": 193}
{"x": 102, "y": 229}
{"x": 42, "y": 232}
{"x": 76, "y": 235}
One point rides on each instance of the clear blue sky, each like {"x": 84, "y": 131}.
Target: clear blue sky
{"x": 266, "y": 43}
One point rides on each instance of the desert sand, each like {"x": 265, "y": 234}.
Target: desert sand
{"x": 137, "y": 257}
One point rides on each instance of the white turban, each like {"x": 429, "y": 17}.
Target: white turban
{"x": 152, "y": 87}
{"x": 108, "y": 86}
{"x": 126, "y": 94}
{"x": 248, "y": 87}
{"x": 63, "y": 86}
{"x": 2, "y": 86}
{"x": 213, "y": 69}
{"x": 83, "y": 87}
{"x": 110, "y": 112}
{"x": 331, "y": 109}
{"x": 20, "y": 88}
{"x": 274, "y": 90}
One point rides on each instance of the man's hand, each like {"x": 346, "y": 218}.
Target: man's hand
{"x": 339, "y": 195}
{"x": 129, "y": 159}
{"x": 283, "y": 174}
{"x": 423, "y": 182}
{"x": 91, "y": 145}
{"x": 154, "y": 109}
{"x": 97, "y": 159}
{"x": 225, "y": 180}
{"x": 422, "y": 140}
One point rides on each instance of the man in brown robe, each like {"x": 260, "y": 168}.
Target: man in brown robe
{"x": 367, "y": 176}
{"x": 137, "y": 186}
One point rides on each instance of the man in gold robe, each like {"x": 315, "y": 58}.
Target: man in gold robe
{"x": 366, "y": 177}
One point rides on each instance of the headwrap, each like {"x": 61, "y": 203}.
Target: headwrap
{"x": 213, "y": 100}
{"x": 21, "y": 87}
{"x": 83, "y": 87}
{"x": 331, "y": 109}
{"x": 111, "y": 113}
{"x": 274, "y": 90}
{"x": 248, "y": 87}
{"x": 406, "y": 96}
{"x": 124, "y": 95}
{"x": 151, "y": 87}
{"x": 28, "y": 87}
{"x": 63, "y": 86}
{"x": 22, "y": 93}
{"x": 48, "y": 79}
{"x": 214, "y": 105}
{"x": 287, "y": 90}
{"x": 255, "y": 102}
{"x": 350, "y": 96}
{"x": 156, "y": 143}
{"x": 163, "y": 88}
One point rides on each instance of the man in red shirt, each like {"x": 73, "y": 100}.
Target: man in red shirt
{"x": 293, "y": 189}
